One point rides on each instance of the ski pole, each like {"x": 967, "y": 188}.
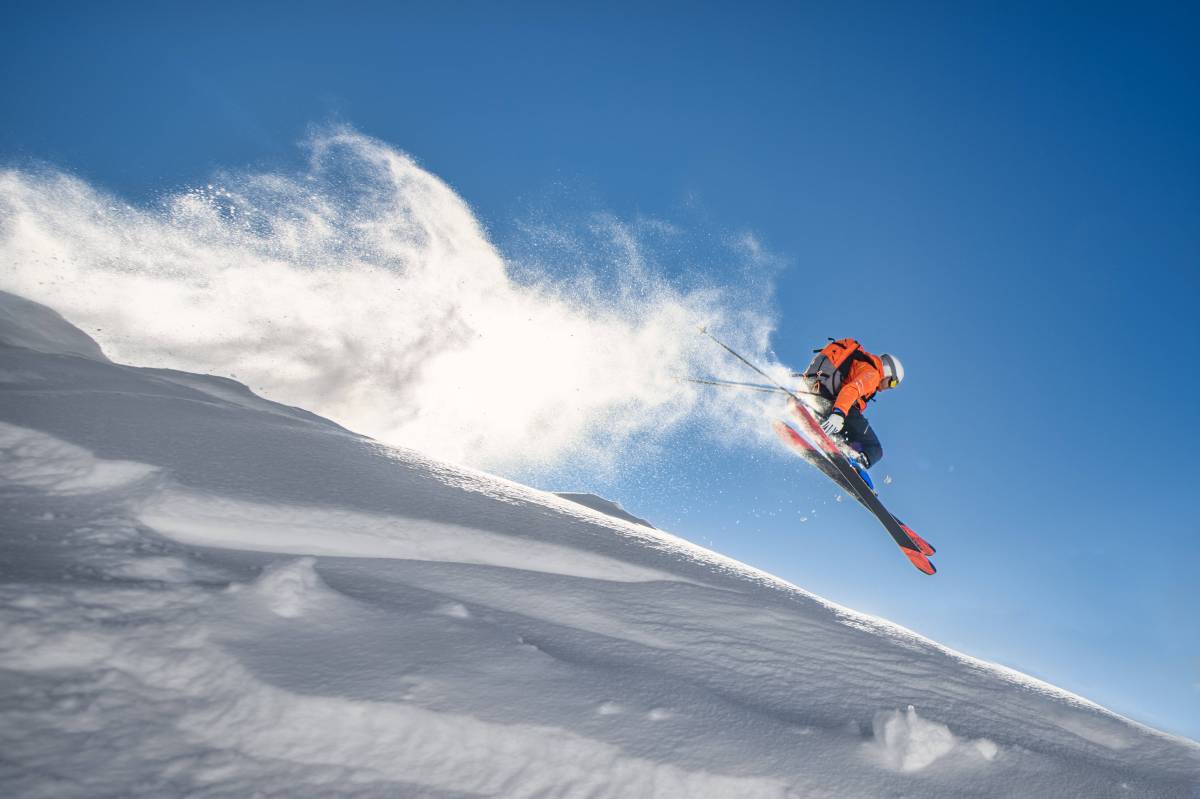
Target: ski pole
{"x": 730, "y": 384}
{"x": 735, "y": 354}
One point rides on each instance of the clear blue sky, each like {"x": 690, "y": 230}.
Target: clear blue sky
{"x": 1005, "y": 194}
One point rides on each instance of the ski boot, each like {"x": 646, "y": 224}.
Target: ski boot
{"x": 859, "y": 462}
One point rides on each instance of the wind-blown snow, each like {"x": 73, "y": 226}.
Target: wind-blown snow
{"x": 363, "y": 288}
{"x": 205, "y": 593}
{"x": 206, "y": 520}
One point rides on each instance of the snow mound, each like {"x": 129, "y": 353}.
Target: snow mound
{"x": 36, "y": 327}
{"x": 906, "y": 742}
{"x": 606, "y": 506}
{"x": 292, "y": 588}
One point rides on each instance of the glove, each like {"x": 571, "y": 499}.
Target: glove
{"x": 833, "y": 424}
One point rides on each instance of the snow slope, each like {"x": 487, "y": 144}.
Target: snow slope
{"x": 206, "y": 593}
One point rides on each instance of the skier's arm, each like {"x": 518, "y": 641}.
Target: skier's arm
{"x": 863, "y": 380}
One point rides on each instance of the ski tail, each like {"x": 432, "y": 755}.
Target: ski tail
{"x": 924, "y": 546}
{"x": 913, "y": 548}
{"x": 812, "y": 455}
{"x": 919, "y": 560}
{"x": 798, "y": 441}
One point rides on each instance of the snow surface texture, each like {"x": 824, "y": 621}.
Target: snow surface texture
{"x": 205, "y": 593}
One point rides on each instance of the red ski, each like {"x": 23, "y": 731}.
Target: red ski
{"x": 834, "y": 464}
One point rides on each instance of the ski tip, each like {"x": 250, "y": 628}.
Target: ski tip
{"x": 920, "y": 561}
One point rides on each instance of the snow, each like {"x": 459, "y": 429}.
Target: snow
{"x": 589, "y": 500}
{"x": 208, "y": 521}
{"x": 206, "y": 593}
{"x": 906, "y": 742}
{"x": 28, "y": 324}
{"x": 56, "y": 467}
{"x": 363, "y": 288}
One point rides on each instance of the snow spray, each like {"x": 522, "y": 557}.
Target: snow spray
{"x": 361, "y": 287}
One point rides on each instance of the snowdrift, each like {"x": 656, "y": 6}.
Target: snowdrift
{"x": 206, "y": 593}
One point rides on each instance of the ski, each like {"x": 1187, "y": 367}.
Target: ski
{"x": 911, "y": 545}
{"x": 813, "y": 457}
{"x": 924, "y": 546}
{"x": 901, "y": 533}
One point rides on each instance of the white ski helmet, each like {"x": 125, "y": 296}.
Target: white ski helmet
{"x": 893, "y": 370}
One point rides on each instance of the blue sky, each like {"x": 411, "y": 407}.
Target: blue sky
{"x": 1006, "y": 195}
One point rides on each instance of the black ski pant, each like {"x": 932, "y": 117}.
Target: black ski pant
{"x": 861, "y": 437}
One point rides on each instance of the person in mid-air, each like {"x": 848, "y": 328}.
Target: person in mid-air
{"x": 849, "y": 377}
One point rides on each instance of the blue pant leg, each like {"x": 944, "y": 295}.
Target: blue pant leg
{"x": 862, "y": 437}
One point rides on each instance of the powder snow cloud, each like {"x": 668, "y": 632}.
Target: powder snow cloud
{"x": 362, "y": 287}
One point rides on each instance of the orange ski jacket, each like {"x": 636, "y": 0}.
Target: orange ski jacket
{"x": 861, "y": 383}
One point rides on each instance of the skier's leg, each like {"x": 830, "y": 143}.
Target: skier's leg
{"x": 862, "y": 437}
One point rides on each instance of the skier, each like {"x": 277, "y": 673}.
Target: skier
{"x": 845, "y": 374}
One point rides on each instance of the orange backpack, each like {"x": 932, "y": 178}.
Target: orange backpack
{"x": 831, "y": 365}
